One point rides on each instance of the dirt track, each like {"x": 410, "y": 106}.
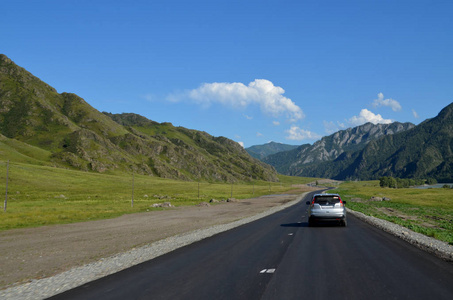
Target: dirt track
{"x": 45, "y": 251}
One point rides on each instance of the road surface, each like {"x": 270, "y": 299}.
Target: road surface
{"x": 280, "y": 257}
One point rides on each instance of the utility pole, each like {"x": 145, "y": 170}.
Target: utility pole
{"x": 132, "y": 200}
{"x": 6, "y": 194}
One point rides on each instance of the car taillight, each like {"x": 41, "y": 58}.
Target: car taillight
{"x": 341, "y": 202}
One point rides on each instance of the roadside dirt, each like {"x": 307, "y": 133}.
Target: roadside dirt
{"x": 34, "y": 253}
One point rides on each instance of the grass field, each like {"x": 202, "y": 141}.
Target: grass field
{"x": 40, "y": 195}
{"x": 427, "y": 211}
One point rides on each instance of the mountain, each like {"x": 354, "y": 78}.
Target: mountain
{"x": 39, "y": 125}
{"x": 295, "y": 161}
{"x": 426, "y": 151}
{"x": 261, "y": 151}
{"x": 282, "y": 161}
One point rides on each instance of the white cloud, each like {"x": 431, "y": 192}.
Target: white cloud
{"x": 248, "y": 117}
{"x": 297, "y": 134}
{"x": 366, "y": 116}
{"x": 276, "y": 123}
{"x": 259, "y": 134}
{"x": 238, "y": 95}
{"x": 415, "y": 114}
{"x": 380, "y": 101}
{"x": 242, "y": 144}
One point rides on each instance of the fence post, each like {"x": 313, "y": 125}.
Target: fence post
{"x": 6, "y": 193}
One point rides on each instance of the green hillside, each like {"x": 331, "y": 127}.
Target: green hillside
{"x": 262, "y": 151}
{"x": 40, "y": 126}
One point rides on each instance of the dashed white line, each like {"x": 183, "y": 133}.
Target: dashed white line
{"x": 268, "y": 271}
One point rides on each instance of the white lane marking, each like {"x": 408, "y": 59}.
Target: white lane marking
{"x": 290, "y": 233}
{"x": 268, "y": 271}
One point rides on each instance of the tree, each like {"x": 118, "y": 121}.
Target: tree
{"x": 431, "y": 181}
{"x": 383, "y": 181}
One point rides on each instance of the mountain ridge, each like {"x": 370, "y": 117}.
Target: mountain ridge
{"x": 73, "y": 134}
{"x": 331, "y": 147}
{"x": 262, "y": 151}
{"x": 425, "y": 151}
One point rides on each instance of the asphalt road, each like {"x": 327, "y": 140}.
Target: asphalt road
{"x": 280, "y": 257}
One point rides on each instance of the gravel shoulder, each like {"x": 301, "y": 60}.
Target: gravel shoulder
{"x": 32, "y": 254}
{"x": 439, "y": 248}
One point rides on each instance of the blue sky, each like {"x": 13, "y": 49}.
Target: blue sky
{"x": 253, "y": 71}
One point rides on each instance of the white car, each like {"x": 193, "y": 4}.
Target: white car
{"x": 326, "y": 207}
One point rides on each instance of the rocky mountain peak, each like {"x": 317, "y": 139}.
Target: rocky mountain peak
{"x": 332, "y": 146}
{"x": 446, "y": 113}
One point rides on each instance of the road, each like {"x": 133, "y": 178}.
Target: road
{"x": 280, "y": 257}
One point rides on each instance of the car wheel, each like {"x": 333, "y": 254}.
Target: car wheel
{"x": 344, "y": 223}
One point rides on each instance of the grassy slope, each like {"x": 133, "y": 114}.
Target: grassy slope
{"x": 11, "y": 149}
{"x": 427, "y": 211}
{"x": 192, "y": 154}
{"x": 44, "y": 195}
{"x": 78, "y": 136}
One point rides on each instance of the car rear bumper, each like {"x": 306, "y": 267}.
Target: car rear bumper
{"x": 323, "y": 218}
{"x": 328, "y": 217}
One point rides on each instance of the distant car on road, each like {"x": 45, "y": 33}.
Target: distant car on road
{"x": 326, "y": 207}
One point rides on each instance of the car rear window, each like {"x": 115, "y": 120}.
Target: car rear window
{"x": 323, "y": 200}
